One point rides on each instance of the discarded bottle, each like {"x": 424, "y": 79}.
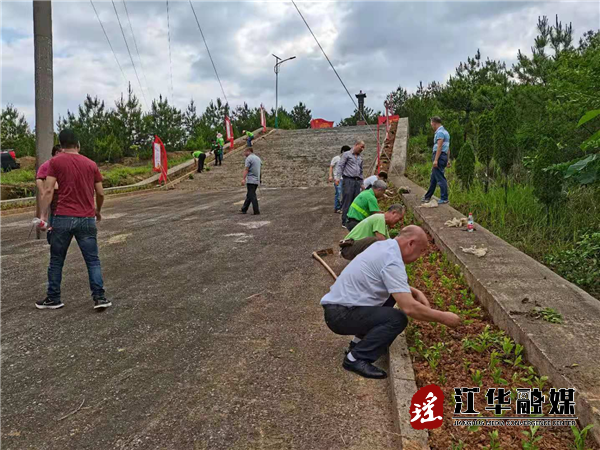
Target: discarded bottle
{"x": 40, "y": 223}
{"x": 470, "y": 225}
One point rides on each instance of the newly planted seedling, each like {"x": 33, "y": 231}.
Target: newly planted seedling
{"x": 532, "y": 439}
{"x": 477, "y": 377}
{"x": 494, "y": 441}
{"x": 580, "y": 437}
{"x": 460, "y": 445}
{"x": 497, "y": 376}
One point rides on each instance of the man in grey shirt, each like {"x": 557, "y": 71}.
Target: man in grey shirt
{"x": 351, "y": 169}
{"x": 251, "y": 179}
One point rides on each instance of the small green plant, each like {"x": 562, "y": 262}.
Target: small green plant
{"x": 540, "y": 382}
{"x": 442, "y": 378}
{"x": 517, "y": 362}
{"x": 460, "y": 445}
{"x": 447, "y": 282}
{"x": 438, "y": 300}
{"x": 549, "y": 315}
{"x": 477, "y": 377}
{"x": 471, "y": 300}
{"x": 497, "y": 376}
{"x": 494, "y": 441}
{"x": 494, "y": 360}
{"x": 433, "y": 256}
{"x": 433, "y": 355}
{"x": 580, "y": 437}
{"x": 442, "y": 332}
{"x": 428, "y": 283}
{"x": 507, "y": 346}
{"x": 466, "y": 364}
{"x": 532, "y": 439}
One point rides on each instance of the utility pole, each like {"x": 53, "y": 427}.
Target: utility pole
{"x": 278, "y": 62}
{"x": 44, "y": 89}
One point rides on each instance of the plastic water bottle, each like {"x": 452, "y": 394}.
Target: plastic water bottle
{"x": 40, "y": 223}
{"x": 470, "y": 225}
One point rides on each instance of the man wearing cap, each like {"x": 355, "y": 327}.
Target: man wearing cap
{"x": 221, "y": 143}
{"x": 365, "y": 204}
{"x": 78, "y": 179}
{"x": 374, "y": 228}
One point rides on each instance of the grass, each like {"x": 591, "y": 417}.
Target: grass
{"x": 116, "y": 176}
{"x": 523, "y": 222}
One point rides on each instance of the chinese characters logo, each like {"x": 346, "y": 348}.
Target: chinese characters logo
{"x": 427, "y": 408}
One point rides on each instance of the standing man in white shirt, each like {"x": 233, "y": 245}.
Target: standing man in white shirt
{"x": 336, "y": 177}
{"x": 361, "y": 300}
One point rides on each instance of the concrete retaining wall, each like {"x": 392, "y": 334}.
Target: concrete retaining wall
{"x": 510, "y": 284}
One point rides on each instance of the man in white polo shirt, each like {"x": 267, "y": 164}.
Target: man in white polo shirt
{"x": 361, "y": 300}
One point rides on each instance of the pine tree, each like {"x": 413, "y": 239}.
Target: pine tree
{"x": 485, "y": 143}
{"x": 465, "y": 165}
{"x": 301, "y": 116}
{"x": 128, "y": 125}
{"x": 547, "y": 187}
{"x": 15, "y": 133}
{"x": 505, "y": 141}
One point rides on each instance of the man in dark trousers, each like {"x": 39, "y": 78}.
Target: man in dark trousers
{"x": 200, "y": 156}
{"x": 251, "y": 179}
{"x": 440, "y": 160}
{"x": 351, "y": 169}
{"x": 361, "y": 300}
{"x": 78, "y": 179}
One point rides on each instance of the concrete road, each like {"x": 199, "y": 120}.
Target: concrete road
{"x": 216, "y": 339}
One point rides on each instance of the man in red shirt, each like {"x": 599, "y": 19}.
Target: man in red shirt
{"x": 75, "y": 216}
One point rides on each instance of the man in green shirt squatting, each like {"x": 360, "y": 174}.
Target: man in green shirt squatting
{"x": 365, "y": 204}
{"x": 374, "y": 228}
{"x": 249, "y": 137}
{"x": 200, "y": 157}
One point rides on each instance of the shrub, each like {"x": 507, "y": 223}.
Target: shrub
{"x": 547, "y": 186}
{"x": 465, "y": 165}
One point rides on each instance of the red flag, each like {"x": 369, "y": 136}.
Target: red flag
{"x": 263, "y": 119}
{"x": 159, "y": 158}
{"x": 229, "y": 132}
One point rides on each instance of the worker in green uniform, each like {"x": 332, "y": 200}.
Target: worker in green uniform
{"x": 219, "y": 155}
{"x": 249, "y": 137}
{"x": 200, "y": 157}
{"x": 374, "y": 228}
{"x": 365, "y": 204}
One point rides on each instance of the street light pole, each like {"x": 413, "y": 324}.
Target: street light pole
{"x": 278, "y": 62}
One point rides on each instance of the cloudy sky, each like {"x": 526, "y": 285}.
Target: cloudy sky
{"x": 375, "y": 46}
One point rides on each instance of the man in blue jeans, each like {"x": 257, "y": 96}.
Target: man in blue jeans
{"x": 78, "y": 178}
{"x": 441, "y": 160}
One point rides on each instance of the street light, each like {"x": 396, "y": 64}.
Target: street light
{"x": 278, "y": 62}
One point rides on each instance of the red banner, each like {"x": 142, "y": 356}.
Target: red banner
{"x": 263, "y": 119}
{"x": 159, "y": 158}
{"x": 229, "y": 132}
{"x": 320, "y": 123}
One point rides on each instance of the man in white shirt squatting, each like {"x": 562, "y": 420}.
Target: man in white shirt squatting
{"x": 361, "y": 301}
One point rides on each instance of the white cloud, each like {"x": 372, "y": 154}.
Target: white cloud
{"x": 375, "y": 46}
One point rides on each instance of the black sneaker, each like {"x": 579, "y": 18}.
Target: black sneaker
{"x": 242, "y": 212}
{"x": 49, "y": 304}
{"x": 101, "y": 303}
{"x": 364, "y": 368}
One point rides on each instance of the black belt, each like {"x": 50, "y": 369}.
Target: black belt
{"x": 352, "y": 178}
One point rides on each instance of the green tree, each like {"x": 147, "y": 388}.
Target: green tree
{"x": 301, "y": 116}
{"x": 190, "y": 120}
{"x": 107, "y": 148}
{"x": 369, "y": 114}
{"x": 166, "y": 122}
{"x": 505, "y": 142}
{"x": 547, "y": 186}
{"x": 245, "y": 118}
{"x": 15, "y": 133}
{"x": 465, "y": 165}
{"x": 485, "y": 143}
{"x": 127, "y": 126}
{"x": 284, "y": 122}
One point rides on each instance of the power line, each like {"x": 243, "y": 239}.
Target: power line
{"x": 329, "y": 61}
{"x": 108, "y": 40}
{"x": 136, "y": 46}
{"x": 209, "y": 55}
{"x": 128, "y": 51}
{"x": 170, "y": 63}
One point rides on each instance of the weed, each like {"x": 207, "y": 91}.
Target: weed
{"x": 580, "y": 437}
{"x": 549, "y": 315}
{"x": 532, "y": 439}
